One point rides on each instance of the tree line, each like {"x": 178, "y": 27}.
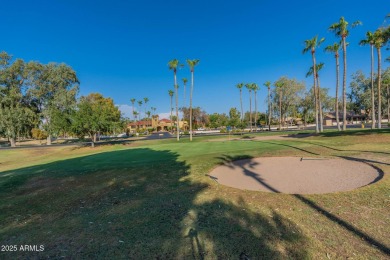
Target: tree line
{"x": 289, "y": 97}
{"x": 41, "y": 100}
{"x": 341, "y": 29}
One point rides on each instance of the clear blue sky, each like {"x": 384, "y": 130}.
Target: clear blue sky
{"x": 121, "y": 48}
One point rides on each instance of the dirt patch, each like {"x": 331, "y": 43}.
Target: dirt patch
{"x": 296, "y": 175}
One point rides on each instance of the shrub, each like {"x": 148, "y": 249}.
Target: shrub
{"x": 38, "y": 134}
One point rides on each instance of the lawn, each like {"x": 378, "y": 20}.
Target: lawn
{"x": 153, "y": 199}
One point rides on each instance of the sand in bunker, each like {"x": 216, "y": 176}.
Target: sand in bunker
{"x": 295, "y": 176}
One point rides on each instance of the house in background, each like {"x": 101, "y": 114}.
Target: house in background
{"x": 352, "y": 117}
{"x": 157, "y": 124}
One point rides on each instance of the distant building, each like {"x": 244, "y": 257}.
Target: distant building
{"x": 159, "y": 125}
{"x": 329, "y": 118}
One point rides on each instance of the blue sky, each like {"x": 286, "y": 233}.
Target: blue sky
{"x": 121, "y": 48}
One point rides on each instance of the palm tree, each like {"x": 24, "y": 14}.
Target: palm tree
{"x": 132, "y": 102}
{"x": 184, "y": 89}
{"x": 341, "y": 30}
{"x": 154, "y": 110}
{"x": 148, "y": 114}
{"x": 239, "y": 86}
{"x": 191, "y": 64}
{"x": 268, "y": 85}
{"x": 146, "y": 100}
{"x": 171, "y": 92}
{"x": 255, "y": 88}
{"x": 335, "y": 49}
{"x": 319, "y": 66}
{"x": 379, "y": 41}
{"x": 279, "y": 89}
{"x": 249, "y": 87}
{"x": 173, "y": 64}
{"x": 370, "y": 40}
{"x": 311, "y": 45}
{"x": 135, "y": 114}
{"x": 140, "y": 105}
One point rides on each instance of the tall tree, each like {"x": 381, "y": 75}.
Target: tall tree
{"x": 171, "y": 92}
{"x": 17, "y": 111}
{"x": 139, "y": 113}
{"x": 255, "y": 88}
{"x": 54, "y": 86}
{"x": 132, "y": 103}
{"x": 335, "y": 49}
{"x": 279, "y": 85}
{"x": 239, "y": 86}
{"x": 379, "y": 41}
{"x": 268, "y": 85}
{"x": 146, "y": 100}
{"x": 288, "y": 93}
{"x": 173, "y": 65}
{"x": 341, "y": 30}
{"x": 311, "y": 45}
{"x": 191, "y": 64}
{"x": 95, "y": 114}
{"x": 370, "y": 40}
{"x": 319, "y": 66}
{"x": 184, "y": 89}
{"x": 249, "y": 87}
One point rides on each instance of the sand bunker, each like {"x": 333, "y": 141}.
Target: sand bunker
{"x": 294, "y": 175}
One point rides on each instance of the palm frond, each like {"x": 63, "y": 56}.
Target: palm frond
{"x": 320, "y": 41}
{"x": 310, "y": 72}
{"x": 356, "y": 23}
{"x": 173, "y": 64}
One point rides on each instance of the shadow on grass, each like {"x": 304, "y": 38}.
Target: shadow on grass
{"x": 343, "y": 150}
{"x": 290, "y": 146}
{"x": 137, "y": 204}
{"x": 353, "y": 132}
{"x": 230, "y": 161}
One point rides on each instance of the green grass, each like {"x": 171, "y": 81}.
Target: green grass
{"x": 153, "y": 199}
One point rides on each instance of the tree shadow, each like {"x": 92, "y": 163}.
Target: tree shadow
{"x": 136, "y": 203}
{"x": 344, "y": 150}
{"x": 239, "y": 162}
{"x": 291, "y": 146}
{"x": 355, "y": 132}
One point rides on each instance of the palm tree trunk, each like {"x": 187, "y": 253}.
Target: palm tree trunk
{"x": 269, "y": 111}
{"x": 379, "y": 89}
{"x": 192, "y": 88}
{"x": 388, "y": 103}
{"x": 337, "y": 91}
{"x": 372, "y": 89}
{"x": 315, "y": 91}
{"x": 177, "y": 110}
{"x": 255, "y": 111}
{"x": 133, "y": 112}
{"x": 250, "y": 110}
{"x": 184, "y": 90}
{"x": 242, "y": 112}
{"x": 320, "y": 104}
{"x": 280, "y": 110}
{"x": 344, "y": 85}
{"x": 171, "y": 116}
